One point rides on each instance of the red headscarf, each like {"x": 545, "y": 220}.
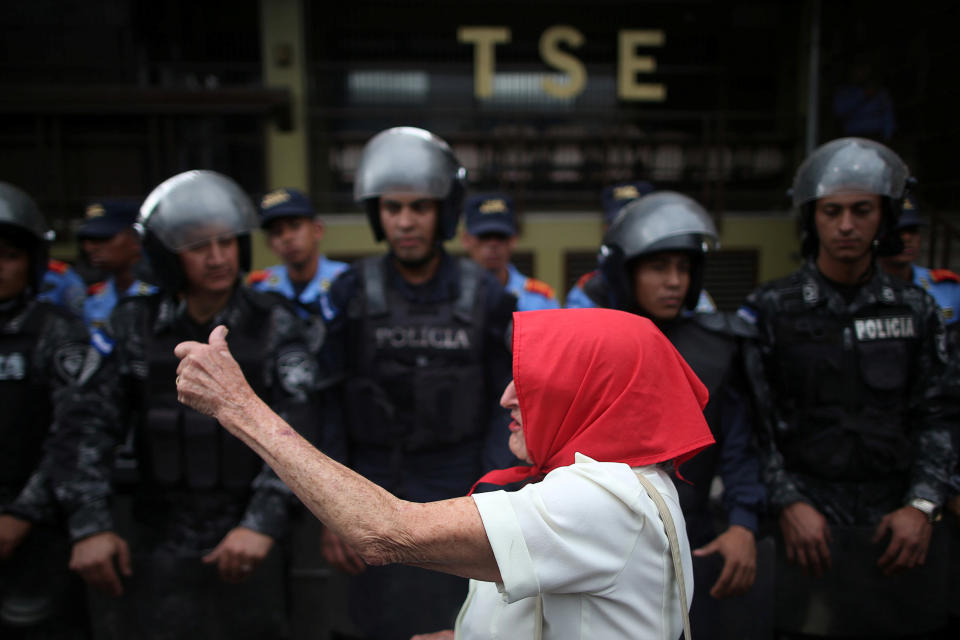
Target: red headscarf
{"x": 603, "y": 383}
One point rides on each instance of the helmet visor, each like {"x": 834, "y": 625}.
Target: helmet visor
{"x": 194, "y": 208}
{"x": 853, "y": 165}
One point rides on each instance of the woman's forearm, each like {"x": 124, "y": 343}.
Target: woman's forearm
{"x": 446, "y": 536}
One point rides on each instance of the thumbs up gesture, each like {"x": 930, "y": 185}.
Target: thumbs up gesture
{"x": 208, "y": 378}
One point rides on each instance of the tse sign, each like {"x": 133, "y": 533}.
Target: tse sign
{"x": 629, "y": 63}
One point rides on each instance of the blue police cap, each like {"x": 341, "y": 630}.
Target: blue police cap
{"x": 107, "y": 218}
{"x": 617, "y": 195}
{"x": 491, "y": 213}
{"x": 911, "y": 214}
{"x": 284, "y": 203}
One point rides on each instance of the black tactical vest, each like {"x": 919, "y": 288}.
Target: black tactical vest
{"x": 180, "y": 447}
{"x": 26, "y": 405}
{"x": 417, "y": 377}
{"x": 709, "y": 345}
{"x": 843, "y": 383}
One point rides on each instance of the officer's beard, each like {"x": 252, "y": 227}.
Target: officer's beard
{"x": 415, "y": 264}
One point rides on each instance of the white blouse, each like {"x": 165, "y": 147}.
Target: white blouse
{"x": 588, "y": 540}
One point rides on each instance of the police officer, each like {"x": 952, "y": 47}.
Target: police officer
{"x": 653, "y": 259}
{"x": 489, "y": 238}
{"x": 112, "y": 246}
{"x": 294, "y": 233}
{"x": 592, "y": 289}
{"x": 45, "y": 367}
{"x": 62, "y": 286}
{"x": 942, "y": 284}
{"x": 207, "y": 515}
{"x": 854, "y": 431}
{"x": 422, "y": 340}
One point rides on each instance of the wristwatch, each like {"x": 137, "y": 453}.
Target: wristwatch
{"x": 928, "y": 507}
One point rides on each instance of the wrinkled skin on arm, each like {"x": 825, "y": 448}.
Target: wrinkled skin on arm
{"x": 445, "y": 536}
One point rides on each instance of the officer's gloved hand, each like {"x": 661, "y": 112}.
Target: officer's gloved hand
{"x": 93, "y": 559}
{"x": 239, "y": 553}
{"x": 806, "y": 535}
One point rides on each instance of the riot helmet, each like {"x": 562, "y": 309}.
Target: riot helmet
{"x": 660, "y": 221}
{"x": 851, "y": 165}
{"x": 190, "y": 210}
{"x": 22, "y": 222}
{"x": 408, "y": 159}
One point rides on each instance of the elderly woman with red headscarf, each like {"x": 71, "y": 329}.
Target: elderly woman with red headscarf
{"x": 599, "y": 399}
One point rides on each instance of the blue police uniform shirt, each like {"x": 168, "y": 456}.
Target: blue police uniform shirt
{"x": 315, "y": 296}
{"x": 102, "y": 297}
{"x": 577, "y": 298}
{"x": 531, "y": 294}
{"x": 63, "y": 287}
{"x": 945, "y": 292}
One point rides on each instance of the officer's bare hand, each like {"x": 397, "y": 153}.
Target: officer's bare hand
{"x": 739, "y": 551}
{"x": 807, "y": 537}
{"x": 339, "y": 555}
{"x": 239, "y": 553}
{"x": 93, "y": 558}
{"x": 208, "y": 378}
{"x": 436, "y": 635}
{"x": 12, "y": 532}
{"x": 910, "y": 532}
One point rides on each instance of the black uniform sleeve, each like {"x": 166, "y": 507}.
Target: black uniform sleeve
{"x": 291, "y": 375}
{"x": 744, "y": 495}
{"x": 80, "y": 453}
{"x": 332, "y": 363}
{"x": 931, "y": 408}
{"x": 498, "y": 367}
{"x": 782, "y": 489}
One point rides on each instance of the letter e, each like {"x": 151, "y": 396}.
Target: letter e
{"x": 630, "y": 64}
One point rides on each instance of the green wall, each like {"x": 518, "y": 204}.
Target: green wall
{"x": 550, "y": 236}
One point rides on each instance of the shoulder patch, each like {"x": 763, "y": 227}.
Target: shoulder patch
{"x": 57, "y": 266}
{"x": 747, "y": 314}
{"x": 146, "y": 289}
{"x": 539, "y": 286}
{"x": 944, "y": 275}
{"x": 587, "y": 277}
{"x": 96, "y": 288}
{"x": 258, "y": 276}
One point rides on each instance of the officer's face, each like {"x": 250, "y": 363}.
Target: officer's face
{"x": 119, "y": 251}
{"x": 517, "y": 442}
{"x": 490, "y": 250}
{"x": 846, "y": 224}
{"x": 660, "y": 283}
{"x": 211, "y": 268}
{"x": 409, "y": 222}
{"x": 295, "y": 239}
{"x": 14, "y": 269}
{"x": 911, "y": 246}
